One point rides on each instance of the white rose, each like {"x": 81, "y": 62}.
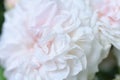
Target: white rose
{"x": 37, "y": 44}
{"x": 106, "y": 22}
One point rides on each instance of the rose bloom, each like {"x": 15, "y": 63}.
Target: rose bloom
{"x": 106, "y": 22}
{"x": 38, "y": 41}
{"x": 10, "y": 3}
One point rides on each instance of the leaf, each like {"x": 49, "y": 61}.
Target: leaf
{"x": 2, "y": 74}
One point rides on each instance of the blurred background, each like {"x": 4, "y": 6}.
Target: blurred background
{"x": 1, "y": 23}
{"x": 108, "y": 68}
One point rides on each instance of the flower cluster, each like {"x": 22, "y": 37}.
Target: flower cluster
{"x": 58, "y": 39}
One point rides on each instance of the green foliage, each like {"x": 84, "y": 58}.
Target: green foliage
{"x": 1, "y": 23}
{"x": 1, "y": 74}
{"x": 1, "y": 14}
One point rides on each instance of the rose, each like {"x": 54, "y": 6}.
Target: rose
{"x": 37, "y": 41}
{"x": 107, "y": 22}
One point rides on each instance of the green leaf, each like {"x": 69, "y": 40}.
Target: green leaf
{"x": 2, "y": 74}
{"x": 1, "y": 14}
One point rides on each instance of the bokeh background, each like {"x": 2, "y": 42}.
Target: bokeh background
{"x": 108, "y": 68}
{"x": 2, "y": 10}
